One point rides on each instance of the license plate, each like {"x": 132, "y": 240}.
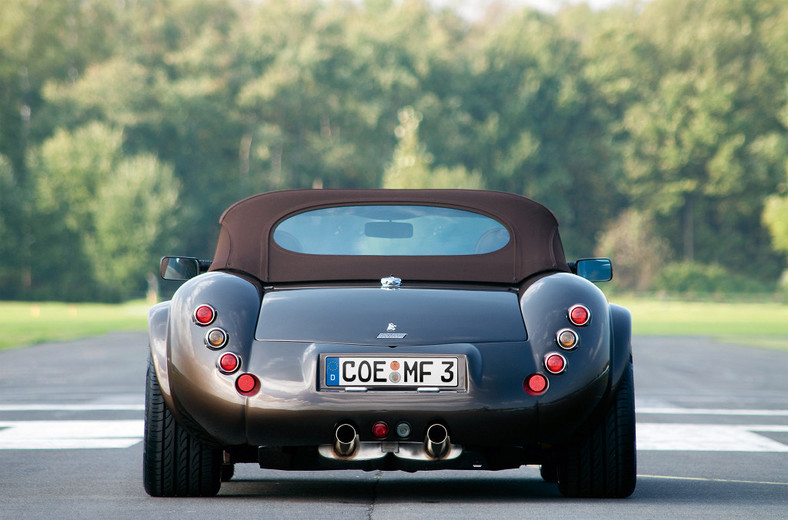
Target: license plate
{"x": 402, "y": 371}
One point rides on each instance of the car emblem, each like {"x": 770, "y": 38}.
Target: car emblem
{"x": 391, "y": 333}
{"x": 391, "y": 282}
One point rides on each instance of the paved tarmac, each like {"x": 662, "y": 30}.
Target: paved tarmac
{"x": 712, "y": 443}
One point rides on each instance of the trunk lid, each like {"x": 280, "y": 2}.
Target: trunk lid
{"x": 390, "y": 317}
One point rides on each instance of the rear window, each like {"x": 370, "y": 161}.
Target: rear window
{"x": 391, "y": 230}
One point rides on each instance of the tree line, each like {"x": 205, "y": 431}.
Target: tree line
{"x": 655, "y": 131}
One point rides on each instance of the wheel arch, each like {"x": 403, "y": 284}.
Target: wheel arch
{"x": 158, "y": 333}
{"x": 620, "y": 342}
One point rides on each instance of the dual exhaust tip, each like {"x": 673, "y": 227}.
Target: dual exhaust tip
{"x": 345, "y": 440}
{"x": 436, "y": 442}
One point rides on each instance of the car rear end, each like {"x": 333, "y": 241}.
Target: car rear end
{"x": 496, "y": 369}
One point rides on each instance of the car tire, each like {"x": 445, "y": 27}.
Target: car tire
{"x": 603, "y": 464}
{"x": 175, "y": 462}
{"x": 549, "y": 472}
{"x": 228, "y": 471}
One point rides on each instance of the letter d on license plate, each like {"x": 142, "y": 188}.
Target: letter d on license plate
{"x": 369, "y": 371}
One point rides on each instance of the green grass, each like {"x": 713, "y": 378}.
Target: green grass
{"x": 758, "y": 324}
{"x": 26, "y": 323}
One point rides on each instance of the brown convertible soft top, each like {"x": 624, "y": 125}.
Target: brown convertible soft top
{"x": 246, "y": 244}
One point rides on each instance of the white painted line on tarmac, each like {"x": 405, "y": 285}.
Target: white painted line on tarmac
{"x": 708, "y": 437}
{"x": 88, "y": 407}
{"x": 710, "y": 411}
{"x": 705, "y": 479}
{"x": 69, "y": 435}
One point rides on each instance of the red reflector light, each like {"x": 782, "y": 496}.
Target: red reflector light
{"x": 204, "y": 315}
{"x": 535, "y": 384}
{"x": 579, "y": 315}
{"x": 380, "y": 430}
{"x": 229, "y": 363}
{"x": 247, "y": 384}
{"x": 555, "y": 363}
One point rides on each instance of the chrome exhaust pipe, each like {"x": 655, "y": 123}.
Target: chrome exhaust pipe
{"x": 345, "y": 440}
{"x": 436, "y": 444}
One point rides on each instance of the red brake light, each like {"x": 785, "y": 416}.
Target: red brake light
{"x": 535, "y": 384}
{"x": 247, "y": 384}
{"x": 380, "y": 430}
{"x": 229, "y": 363}
{"x": 555, "y": 363}
{"x": 579, "y": 315}
{"x": 204, "y": 315}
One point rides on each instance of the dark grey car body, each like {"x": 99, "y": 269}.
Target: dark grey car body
{"x": 491, "y": 332}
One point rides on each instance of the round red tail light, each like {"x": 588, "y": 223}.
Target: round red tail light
{"x": 579, "y": 315}
{"x": 380, "y": 430}
{"x": 204, "y": 315}
{"x": 555, "y": 363}
{"x": 535, "y": 384}
{"x": 247, "y": 384}
{"x": 229, "y": 363}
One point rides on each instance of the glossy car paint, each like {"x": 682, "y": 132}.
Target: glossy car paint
{"x": 293, "y": 410}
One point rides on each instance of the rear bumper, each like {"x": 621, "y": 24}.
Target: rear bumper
{"x": 291, "y": 409}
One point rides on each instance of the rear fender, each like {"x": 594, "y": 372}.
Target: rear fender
{"x": 573, "y": 395}
{"x": 158, "y": 329}
{"x": 202, "y": 398}
{"x": 621, "y": 344}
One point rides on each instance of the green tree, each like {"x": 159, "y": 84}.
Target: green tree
{"x": 775, "y": 217}
{"x": 12, "y": 222}
{"x": 41, "y": 41}
{"x": 410, "y": 167}
{"x": 171, "y": 88}
{"x": 98, "y": 215}
{"x": 671, "y": 107}
{"x": 531, "y": 125}
{"x": 704, "y": 145}
{"x": 329, "y": 80}
{"x": 134, "y": 222}
{"x": 639, "y": 253}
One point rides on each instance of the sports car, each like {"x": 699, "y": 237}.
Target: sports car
{"x": 389, "y": 330}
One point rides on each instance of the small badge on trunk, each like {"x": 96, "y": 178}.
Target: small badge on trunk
{"x": 391, "y": 333}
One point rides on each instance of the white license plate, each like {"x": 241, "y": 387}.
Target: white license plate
{"x": 403, "y": 371}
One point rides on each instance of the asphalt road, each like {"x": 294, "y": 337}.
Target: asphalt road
{"x": 712, "y": 440}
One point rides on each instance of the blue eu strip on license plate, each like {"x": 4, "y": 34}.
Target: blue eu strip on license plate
{"x": 368, "y": 371}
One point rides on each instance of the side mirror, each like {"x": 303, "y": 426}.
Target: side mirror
{"x": 593, "y": 269}
{"x": 179, "y": 268}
